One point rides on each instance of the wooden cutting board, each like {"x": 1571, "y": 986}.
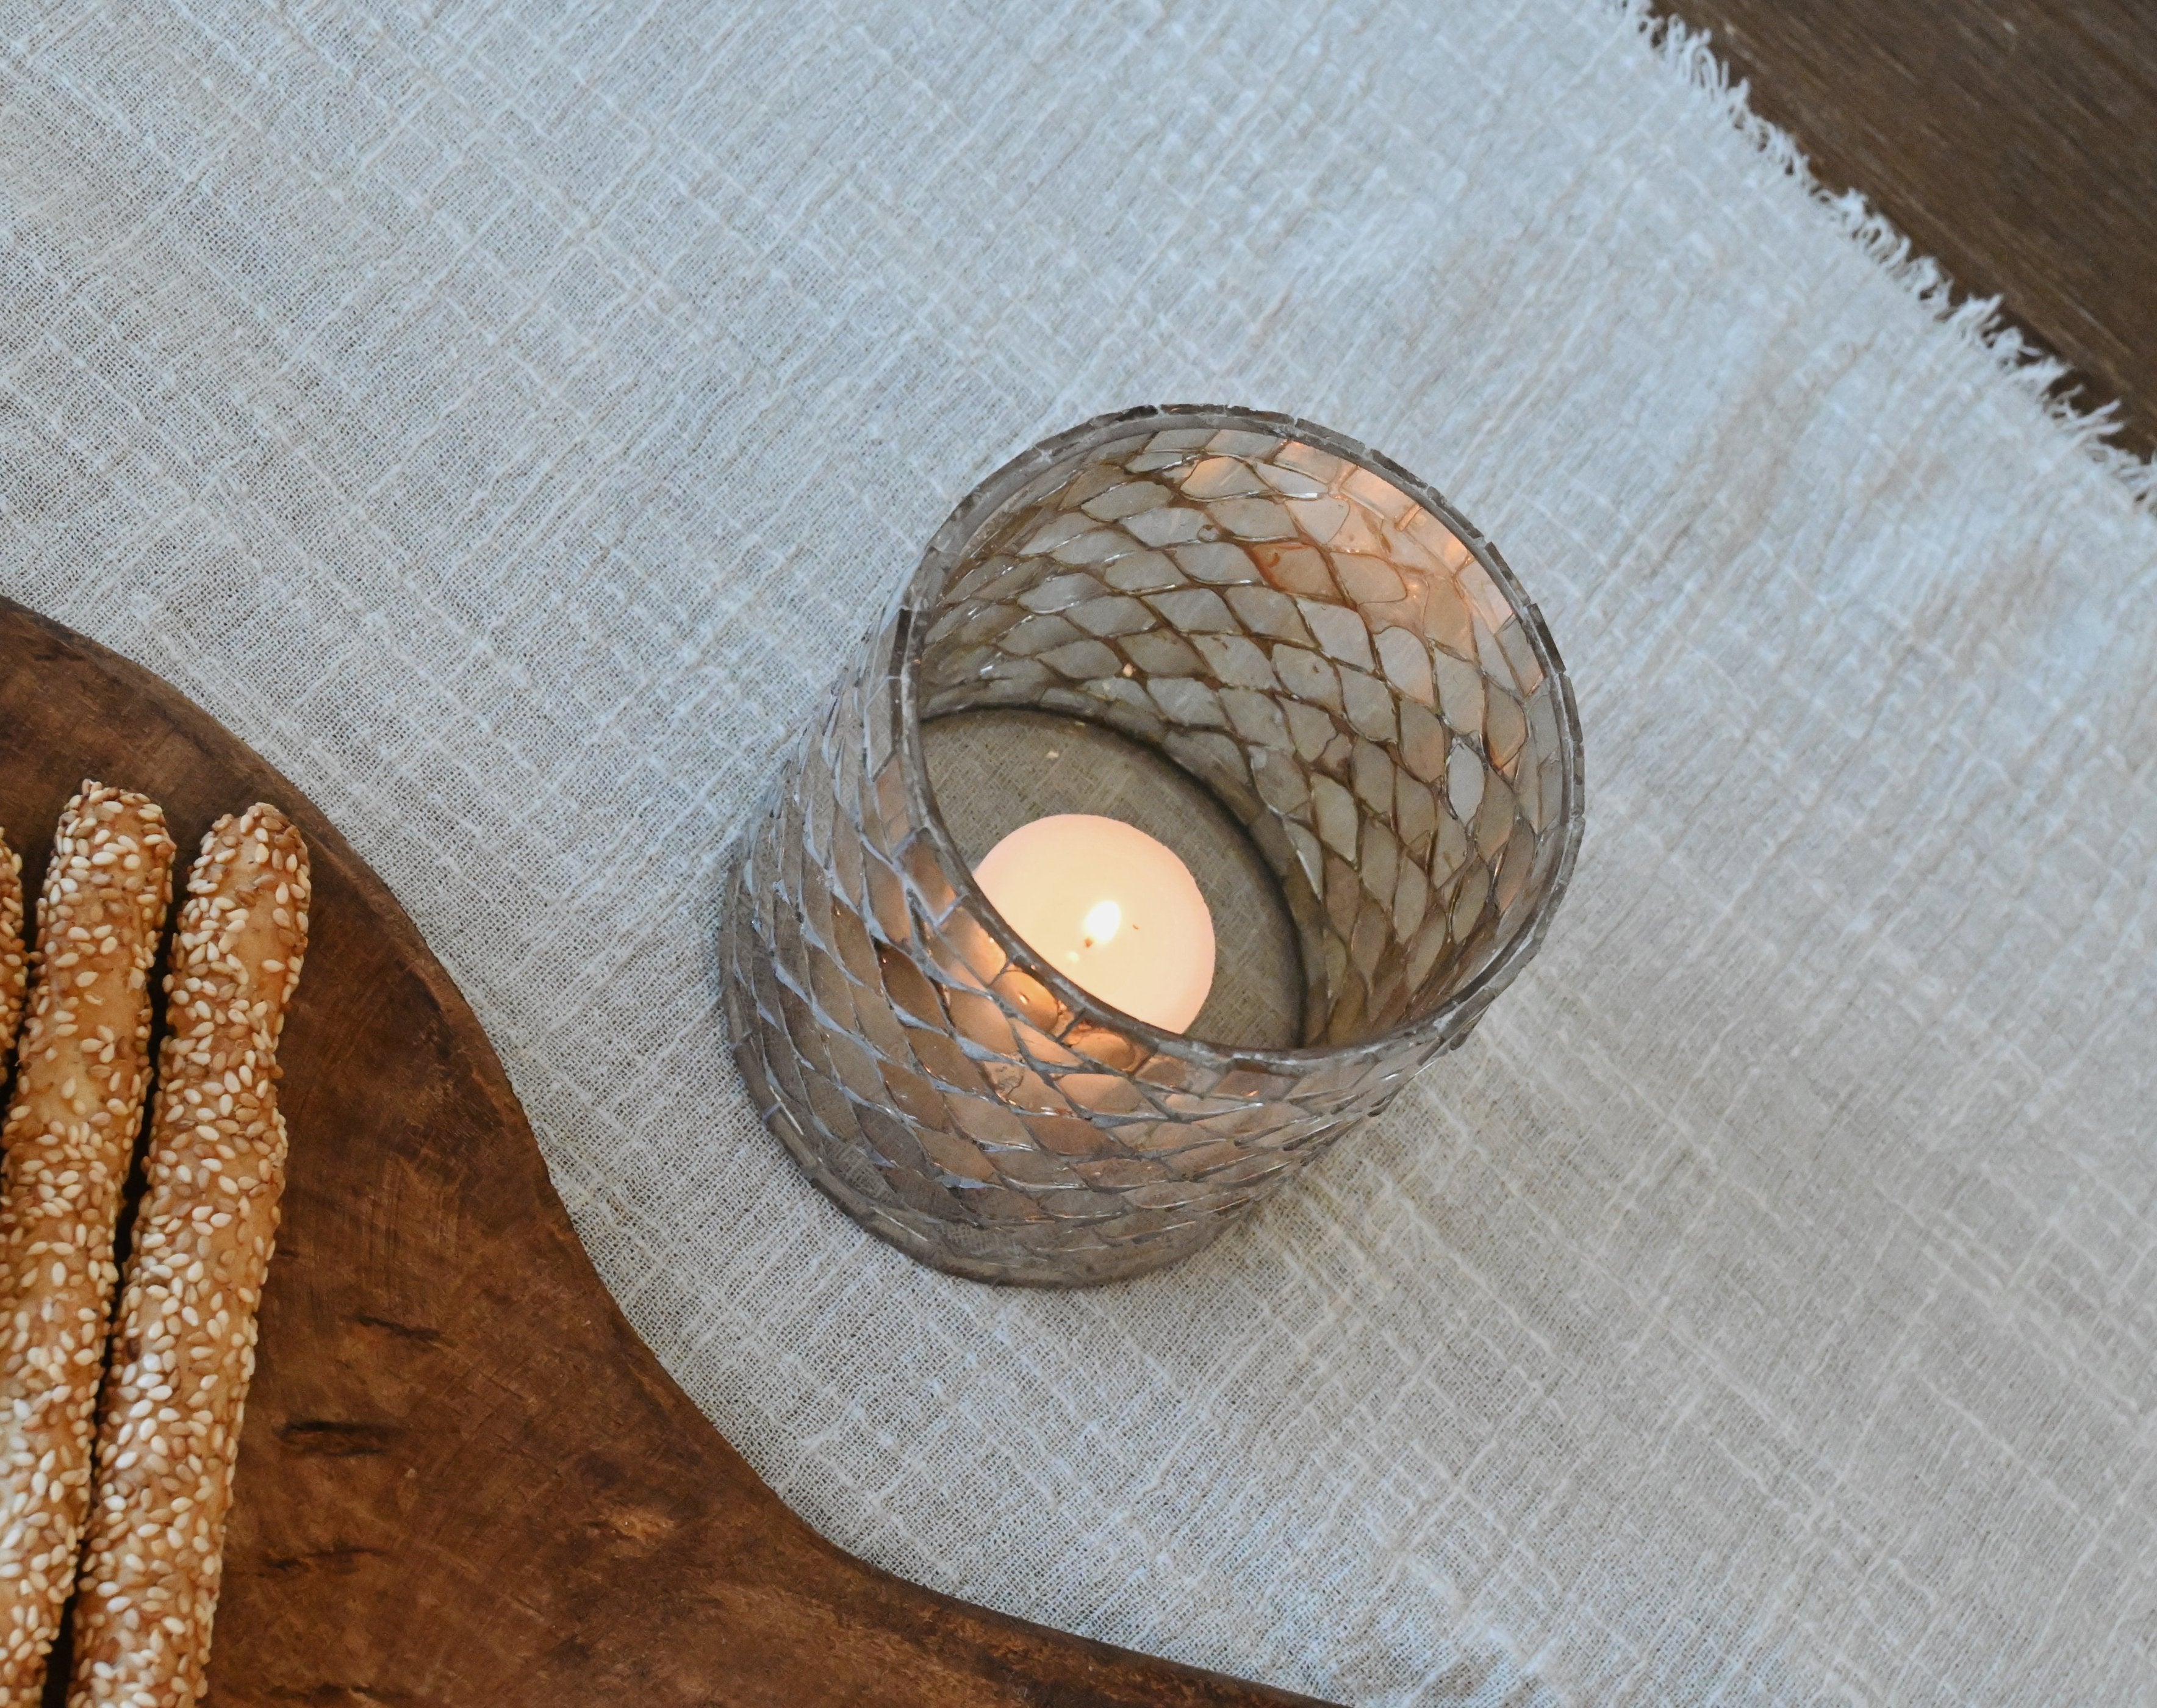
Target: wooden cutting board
{"x": 464, "y": 1479}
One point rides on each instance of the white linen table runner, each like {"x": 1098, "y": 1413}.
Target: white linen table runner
{"x": 503, "y": 415}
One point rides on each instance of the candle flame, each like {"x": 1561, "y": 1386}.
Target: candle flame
{"x": 1103, "y": 920}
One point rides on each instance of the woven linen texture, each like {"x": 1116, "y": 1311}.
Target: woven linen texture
{"x": 508, "y": 417}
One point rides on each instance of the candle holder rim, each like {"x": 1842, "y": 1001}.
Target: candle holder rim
{"x": 947, "y": 547}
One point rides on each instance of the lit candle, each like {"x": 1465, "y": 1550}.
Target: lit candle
{"x": 1111, "y": 909}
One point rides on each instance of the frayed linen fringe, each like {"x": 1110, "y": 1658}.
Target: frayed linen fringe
{"x": 1977, "y": 320}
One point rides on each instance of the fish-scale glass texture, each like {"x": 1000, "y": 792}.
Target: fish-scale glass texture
{"x": 1315, "y": 637}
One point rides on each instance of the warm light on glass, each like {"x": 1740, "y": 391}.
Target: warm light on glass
{"x": 1112, "y": 910}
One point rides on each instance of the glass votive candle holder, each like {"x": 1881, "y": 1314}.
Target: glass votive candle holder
{"x": 1255, "y": 638}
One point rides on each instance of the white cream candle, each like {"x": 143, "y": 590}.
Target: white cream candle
{"x": 1110, "y": 909}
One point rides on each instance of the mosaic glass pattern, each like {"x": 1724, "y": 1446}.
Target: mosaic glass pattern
{"x": 1319, "y": 641}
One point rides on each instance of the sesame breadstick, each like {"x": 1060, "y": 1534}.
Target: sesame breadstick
{"x": 14, "y": 965}
{"x": 184, "y": 1348}
{"x": 83, "y": 1066}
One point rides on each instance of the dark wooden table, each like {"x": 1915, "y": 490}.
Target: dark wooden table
{"x": 464, "y": 1479}
{"x": 2013, "y": 141}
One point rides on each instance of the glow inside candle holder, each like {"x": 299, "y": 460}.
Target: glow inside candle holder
{"x": 1110, "y": 907}
{"x": 1310, "y": 635}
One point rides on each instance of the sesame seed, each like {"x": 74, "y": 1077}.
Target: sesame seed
{"x": 86, "y": 1024}
{"x": 164, "y": 1464}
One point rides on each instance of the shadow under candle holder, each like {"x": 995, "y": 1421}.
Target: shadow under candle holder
{"x": 1279, "y": 646}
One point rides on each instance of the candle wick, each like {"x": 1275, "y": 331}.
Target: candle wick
{"x": 1103, "y": 920}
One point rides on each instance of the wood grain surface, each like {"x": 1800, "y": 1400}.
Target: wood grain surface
{"x": 464, "y": 1479}
{"x": 2014, "y": 141}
